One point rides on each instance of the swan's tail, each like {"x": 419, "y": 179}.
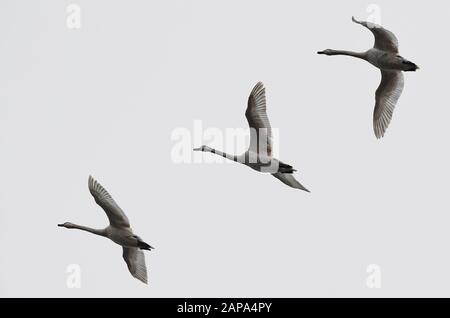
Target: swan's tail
{"x": 410, "y": 66}
{"x": 285, "y": 168}
{"x": 144, "y": 246}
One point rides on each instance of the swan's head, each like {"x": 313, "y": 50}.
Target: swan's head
{"x": 67, "y": 225}
{"x": 203, "y": 148}
{"x": 326, "y": 52}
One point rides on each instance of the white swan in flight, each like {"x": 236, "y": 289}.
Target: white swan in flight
{"x": 259, "y": 155}
{"x": 384, "y": 55}
{"x": 118, "y": 231}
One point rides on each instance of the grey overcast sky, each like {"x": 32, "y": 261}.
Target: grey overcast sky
{"x": 105, "y": 99}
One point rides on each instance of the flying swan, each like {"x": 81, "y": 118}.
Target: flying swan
{"x": 118, "y": 231}
{"x": 259, "y": 155}
{"x": 384, "y": 55}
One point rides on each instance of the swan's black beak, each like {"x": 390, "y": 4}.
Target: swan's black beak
{"x": 197, "y": 149}
{"x": 320, "y": 52}
{"x": 62, "y": 225}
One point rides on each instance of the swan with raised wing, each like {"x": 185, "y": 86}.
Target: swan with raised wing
{"x": 118, "y": 231}
{"x": 385, "y": 56}
{"x": 259, "y": 155}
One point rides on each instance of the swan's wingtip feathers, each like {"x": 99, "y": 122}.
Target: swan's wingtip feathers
{"x": 141, "y": 275}
{"x": 379, "y": 134}
{"x": 96, "y": 189}
{"x": 91, "y": 181}
{"x": 379, "y": 129}
{"x": 94, "y": 184}
{"x": 259, "y": 87}
{"x": 301, "y": 187}
{"x": 258, "y": 93}
{"x": 142, "y": 279}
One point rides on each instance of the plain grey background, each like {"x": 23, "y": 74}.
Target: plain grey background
{"x": 105, "y": 99}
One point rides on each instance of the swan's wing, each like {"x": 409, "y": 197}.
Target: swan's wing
{"x": 260, "y": 130}
{"x": 289, "y": 180}
{"x": 115, "y": 214}
{"x": 385, "y": 40}
{"x": 386, "y": 97}
{"x": 135, "y": 260}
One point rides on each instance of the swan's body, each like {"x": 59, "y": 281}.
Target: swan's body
{"x": 118, "y": 231}
{"x": 384, "y": 55}
{"x": 259, "y": 155}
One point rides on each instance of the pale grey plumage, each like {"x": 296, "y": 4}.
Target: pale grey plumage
{"x": 385, "y": 40}
{"x": 383, "y": 55}
{"x": 259, "y": 154}
{"x": 135, "y": 260}
{"x": 119, "y": 231}
{"x": 114, "y": 213}
{"x": 258, "y": 121}
{"x": 386, "y": 97}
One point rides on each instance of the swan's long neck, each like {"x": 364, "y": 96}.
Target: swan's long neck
{"x": 101, "y": 232}
{"x": 224, "y": 154}
{"x": 348, "y": 53}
